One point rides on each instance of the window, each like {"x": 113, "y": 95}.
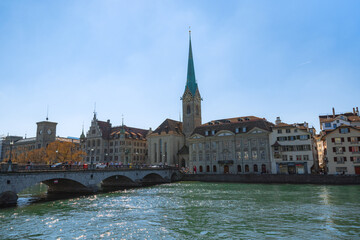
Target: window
{"x": 197, "y": 110}
{"x": 238, "y": 155}
{"x": 337, "y": 140}
{"x": 306, "y": 157}
{"x": 201, "y": 168}
{"x": 188, "y": 111}
{"x": 237, "y": 130}
{"x": 279, "y": 131}
{"x": 290, "y": 158}
{"x": 254, "y": 154}
{"x": 327, "y": 125}
{"x": 354, "y": 149}
{"x": 239, "y": 168}
{"x": 334, "y": 126}
{"x": 304, "y": 137}
{"x": 298, "y": 157}
{"x": 214, "y": 168}
{"x": 213, "y": 132}
{"x": 344, "y": 130}
{"x": 207, "y": 168}
{"x": 194, "y": 156}
{"x": 246, "y": 168}
{"x": 287, "y": 130}
{"x": 246, "y": 155}
{"x": 206, "y": 133}
{"x": 284, "y": 157}
{"x": 244, "y": 129}
{"x": 255, "y": 168}
{"x": 200, "y": 146}
{"x": 207, "y": 156}
{"x": 295, "y": 130}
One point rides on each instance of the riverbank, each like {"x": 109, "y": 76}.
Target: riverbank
{"x": 275, "y": 178}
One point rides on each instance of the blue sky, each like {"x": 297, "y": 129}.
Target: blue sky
{"x": 293, "y": 59}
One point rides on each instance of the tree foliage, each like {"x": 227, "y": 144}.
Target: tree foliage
{"x": 55, "y": 152}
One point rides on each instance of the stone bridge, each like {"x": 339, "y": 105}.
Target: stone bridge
{"x": 89, "y": 181}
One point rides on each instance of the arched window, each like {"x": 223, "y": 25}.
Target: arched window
{"x": 246, "y": 168}
{"x": 255, "y": 168}
{"x": 214, "y": 168}
{"x": 263, "y": 168}
{"x": 188, "y": 110}
{"x": 197, "y": 110}
{"x": 201, "y": 169}
{"x": 207, "y": 168}
{"x": 239, "y": 168}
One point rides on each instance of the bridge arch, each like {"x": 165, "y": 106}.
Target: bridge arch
{"x": 153, "y": 178}
{"x": 118, "y": 181}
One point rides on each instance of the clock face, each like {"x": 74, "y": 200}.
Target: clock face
{"x": 41, "y": 131}
{"x": 49, "y": 131}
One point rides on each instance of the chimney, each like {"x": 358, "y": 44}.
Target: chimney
{"x": 354, "y": 111}
{"x": 333, "y": 112}
{"x": 357, "y": 110}
{"x": 278, "y": 121}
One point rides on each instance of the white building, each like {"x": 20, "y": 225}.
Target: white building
{"x": 292, "y": 148}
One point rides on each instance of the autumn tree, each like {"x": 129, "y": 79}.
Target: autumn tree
{"x": 63, "y": 152}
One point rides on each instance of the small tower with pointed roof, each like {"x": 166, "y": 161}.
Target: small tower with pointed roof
{"x": 191, "y": 99}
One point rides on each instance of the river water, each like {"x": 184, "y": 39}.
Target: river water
{"x": 191, "y": 210}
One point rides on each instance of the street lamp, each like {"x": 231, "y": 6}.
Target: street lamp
{"x": 92, "y": 158}
{"x": 10, "y": 162}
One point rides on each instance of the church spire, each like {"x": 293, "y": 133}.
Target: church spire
{"x": 191, "y": 81}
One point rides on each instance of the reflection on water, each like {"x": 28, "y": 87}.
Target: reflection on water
{"x": 192, "y": 210}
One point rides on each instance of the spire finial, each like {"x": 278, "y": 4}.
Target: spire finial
{"x": 47, "y": 113}
{"x": 95, "y": 110}
{"x": 122, "y": 119}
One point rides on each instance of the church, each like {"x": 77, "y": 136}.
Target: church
{"x": 235, "y": 145}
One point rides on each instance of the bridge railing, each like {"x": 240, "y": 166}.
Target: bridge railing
{"x": 76, "y": 167}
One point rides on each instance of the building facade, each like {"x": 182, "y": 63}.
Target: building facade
{"x": 164, "y": 144}
{"x": 342, "y": 150}
{"x": 235, "y": 145}
{"x": 292, "y": 148}
{"x": 122, "y": 144}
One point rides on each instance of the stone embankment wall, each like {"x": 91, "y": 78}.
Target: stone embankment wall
{"x": 274, "y": 178}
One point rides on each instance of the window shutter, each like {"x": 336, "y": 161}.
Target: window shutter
{"x": 335, "y": 159}
{"x": 333, "y": 140}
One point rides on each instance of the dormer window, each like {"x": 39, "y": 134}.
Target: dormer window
{"x": 237, "y": 130}
{"x": 206, "y": 133}
{"x": 247, "y": 119}
{"x": 217, "y": 122}
{"x": 240, "y": 120}
{"x": 213, "y": 132}
{"x": 244, "y": 129}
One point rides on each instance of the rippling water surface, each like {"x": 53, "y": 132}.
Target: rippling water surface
{"x": 192, "y": 210}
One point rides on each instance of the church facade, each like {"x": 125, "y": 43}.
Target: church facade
{"x": 234, "y": 145}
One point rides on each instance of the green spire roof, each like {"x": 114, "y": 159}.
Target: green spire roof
{"x": 191, "y": 81}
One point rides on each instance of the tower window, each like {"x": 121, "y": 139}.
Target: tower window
{"x": 197, "y": 110}
{"x": 188, "y": 111}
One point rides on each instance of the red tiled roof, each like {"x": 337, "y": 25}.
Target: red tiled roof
{"x": 231, "y": 124}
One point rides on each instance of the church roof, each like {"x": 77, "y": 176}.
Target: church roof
{"x": 169, "y": 126}
{"x": 191, "y": 80}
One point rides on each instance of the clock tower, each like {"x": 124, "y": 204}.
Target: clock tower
{"x": 45, "y": 134}
{"x": 191, "y": 99}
